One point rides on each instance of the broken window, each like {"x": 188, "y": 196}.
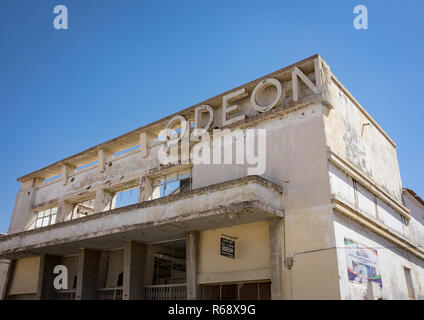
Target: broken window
{"x": 126, "y": 197}
{"x": 126, "y": 150}
{"x": 52, "y": 178}
{"x": 83, "y": 209}
{"x": 45, "y": 218}
{"x": 172, "y": 184}
{"x": 87, "y": 165}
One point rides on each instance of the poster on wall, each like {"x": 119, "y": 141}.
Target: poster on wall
{"x": 362, "y": 263}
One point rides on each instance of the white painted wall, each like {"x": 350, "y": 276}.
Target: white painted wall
{"x": 391, "y": 263}
{"x": 342, "y": 186}
{"x": 416, "y": 225}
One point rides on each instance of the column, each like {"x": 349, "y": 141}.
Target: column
{"x": 192, "y": 256}
{"x": 65, "y": 171}
{"x": 103, "y": 155}
{"x": 135, "y": 256}
{"x": 103, "y": 200}
{"x": 145, "y": 139}
{"x": 88, "y": 267}
{"x": 146, "y": 189}
{"x": 65, "y": 209}
{"x": 276, "y": 236}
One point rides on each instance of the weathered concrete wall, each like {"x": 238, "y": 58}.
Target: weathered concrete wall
{"x": 23, "y": 215}
{"x": 359, "y": 197}
{"x": 121, "y": 170}
{"x": 251, "y": 254}
{"x": 296, "y": 159}
{"x": 391, "y": 259}
{"x": 416, "y": 224}
{"x": 357, "y": 138}
{"x": 112, "y": 222}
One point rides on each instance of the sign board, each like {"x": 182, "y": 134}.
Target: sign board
{"x": 228, "y": 248}
{"x": 362, "y": 263}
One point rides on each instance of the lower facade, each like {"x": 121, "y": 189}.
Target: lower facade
{"x": 231, "y": 263}
{"x": 240, "y": 262}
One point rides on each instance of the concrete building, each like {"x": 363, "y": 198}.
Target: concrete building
{"x": 325, "y": 217}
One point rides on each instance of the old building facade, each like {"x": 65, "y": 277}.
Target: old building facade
{"x": 322, "y": 214}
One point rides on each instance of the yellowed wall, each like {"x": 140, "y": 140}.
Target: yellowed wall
{"x": 25, "y": 276}
{"x": 251, "y": 254}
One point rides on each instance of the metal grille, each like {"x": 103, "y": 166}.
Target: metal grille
{"x": 212, "y": 292}
{"x": 249, "y": 291}
{"x": 109, "y": 294}
{"x": 229, "y": 292}
{"x": 166, "y": 292}
{"x": 238, "y": 291}
{"x": 265, "y": 291}
{"x": 65, "y": 294}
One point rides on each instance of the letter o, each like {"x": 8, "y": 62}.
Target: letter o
{"x": 260, "y": 87}
{"x": 184, "y": 125}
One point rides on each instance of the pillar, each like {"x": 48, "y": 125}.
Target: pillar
{"x": 145, "y": 139}
{"x": 103, "y": 155}
{"x": 192, "y": 256}
{"x": 88, "y": 267}
{"x": 45, "y": 287}
{"x": 66, "y": 169}
{"x": 276, "y": 236}
{"x": 103, "y": 200}
{"x": 146, "y": 189}
{"x": 65, "y": 209}
{"x": 135, "y": 257}
{"x": 22, "y": 212}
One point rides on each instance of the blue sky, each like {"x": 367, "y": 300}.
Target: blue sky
{"x": 123, "y": 64}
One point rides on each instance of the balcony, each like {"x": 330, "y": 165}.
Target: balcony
{"x": 244, "y": 200}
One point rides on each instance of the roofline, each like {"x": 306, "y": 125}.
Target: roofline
{"x": 152, "y": 124}
{"x": 413, "y": 194}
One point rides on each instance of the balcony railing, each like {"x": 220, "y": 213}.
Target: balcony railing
{"x": 66, "y": 294}
{"x": 166, "y": 292}
{"x": 109, "y": 294}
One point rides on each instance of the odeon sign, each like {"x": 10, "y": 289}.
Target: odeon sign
{"x": 177, "y": 147}
{"x": 226, "y": 109}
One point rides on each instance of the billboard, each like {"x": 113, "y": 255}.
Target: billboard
{"x": 362, "y": 263}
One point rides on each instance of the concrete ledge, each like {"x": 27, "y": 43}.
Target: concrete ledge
{"x": 348, "y": 168}
{"x": 345, "y": 209}
{"x": 245, "y": 200}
